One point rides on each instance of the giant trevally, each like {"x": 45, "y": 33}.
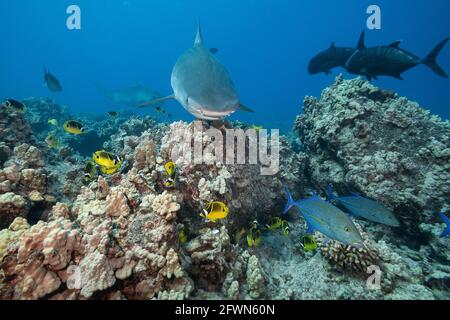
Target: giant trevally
{"x": 133, "y": 96}
{"x": 202, "y": 85}
{"x": 333, "y": 57}
{"x": 365, "y": 208}
{"x": 322, "y": 216}
{"x": 52, "y": 82}
{"x": 391, "y": 61}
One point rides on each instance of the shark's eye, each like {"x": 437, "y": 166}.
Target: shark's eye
{"x": 347, "y": 229}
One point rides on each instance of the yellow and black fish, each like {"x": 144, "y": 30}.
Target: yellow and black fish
{"x": 170, "y": 183}
{"x": 214, "y": 211}
{"x": 275, "y": 223}
{"x": 253, "y": 237}
{"x": 14, "y": 106}
{"x": 110, "y": 170}
{"x": 52, "y": 141}
{"x": 308, "y": 243}
{"x": 73, "y": 127}
{"x": 106, "y": 159}
{"x": 89, "y": 171}
{"x": 171, "y": 169}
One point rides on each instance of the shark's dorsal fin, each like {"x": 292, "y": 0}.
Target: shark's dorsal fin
{"x": 361, "y": 42}
{"x": 395, "y": 44}
{"x": 198, "y": 37}
{"x": 333, "y": 45}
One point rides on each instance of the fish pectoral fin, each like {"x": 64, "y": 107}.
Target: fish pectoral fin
{"x": 396, "y": 44}
{"x": 156, "y": 101}
{"x": 213, "y": 50}
{"x": 245, "y": 108}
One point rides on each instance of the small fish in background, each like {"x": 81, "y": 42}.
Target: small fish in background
{"x": 254, "y": 235}
{"x": 275, "y": 223}
{"x": 333, "y": 57}
{"x": 391, "y": 61}
{"x": 171, "y": 169}
{"x": 89, "y": 171}
{"x": 214, "y": 211}
{"x": 53, "y": 122}
{"x": 257, "y": 128}
{"x": 446, "y": 231}
{"x": 106, "y": 159}
{"x": 239, "y": 235}
{"x": 364, "y": 208}
{"x": 52, "y": 141}
{"x": 73, "y": 127}
{"x": 113, "y": 114}
{"x": 170, "y": 183}
{"x": 308, "y": 243}
{"x": 110, "y": 170}
{"x": 52, "y": 82}
{"x": 182, "y": 237}
{"x": 14, "y": 106}
{"x": 322, "y": 216}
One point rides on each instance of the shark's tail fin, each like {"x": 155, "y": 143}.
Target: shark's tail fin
{"x": 290, "y": 203}
{"x": 430, "y": 60}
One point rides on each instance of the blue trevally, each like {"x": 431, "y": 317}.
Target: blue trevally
{"x": 202, "y": 85}
{"x": 132, "y": 96}
{"x": 365, "y": 208}
{"x": 322, "y": 216}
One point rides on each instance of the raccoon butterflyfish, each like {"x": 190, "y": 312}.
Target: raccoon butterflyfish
{"x": 14, "y": 105}
{"x": 214, "y": 211}
{"x": 170, "y": 183}
{"x": 106, "y": 159}
{"x": 73, "y": 127}
{"x": 275, "y": 223}
{"x": 89, "y": 171}
{"x": 110, "y": 170}
{"x": 308, "y": 243}
{"x": 254, "y": 237}
{"x": 53, "y": 122}
{"x": 171, "y": 169}
{"x": 52, "y": 141}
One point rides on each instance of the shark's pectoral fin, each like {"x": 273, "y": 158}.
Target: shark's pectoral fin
{"x": 245, "y": 108}
{"x": 213, "y": 50}
{"x": 156, "y": 101}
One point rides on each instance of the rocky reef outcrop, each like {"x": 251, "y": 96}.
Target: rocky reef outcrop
{"x": 366, "y": 139}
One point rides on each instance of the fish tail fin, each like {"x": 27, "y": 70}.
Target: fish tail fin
{"x": 430, "y": 59}
{"x": 446, "y": 232}
{"x": 330, "y": 194}
{"x": 290, "y": 202}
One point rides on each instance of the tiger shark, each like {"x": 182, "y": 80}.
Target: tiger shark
{"x": 202, "y": 85}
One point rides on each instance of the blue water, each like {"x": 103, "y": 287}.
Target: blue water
{"x": 265, "y": 44}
